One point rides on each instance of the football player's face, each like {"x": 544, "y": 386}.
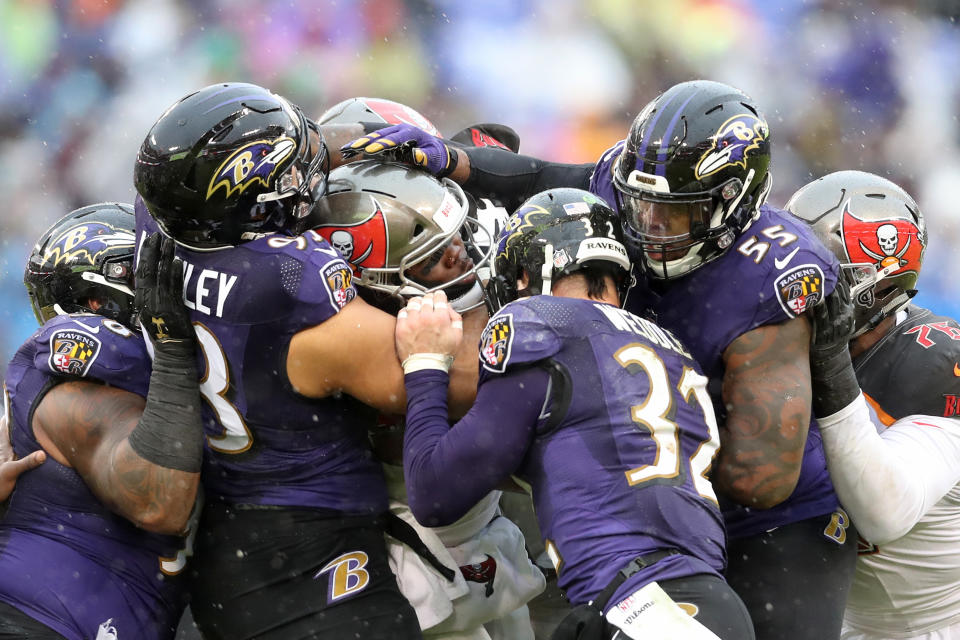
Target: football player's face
{"x": 443, "y": 265}
{"x": 667, "y": 224}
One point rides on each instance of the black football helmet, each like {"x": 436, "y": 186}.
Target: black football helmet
{"x": 692, "y": 175}
{"x": 228, "y": 163}
{"x": 86, "y": 255}
{"x": 876, "y": 231}
{"x": 552, "y": 234}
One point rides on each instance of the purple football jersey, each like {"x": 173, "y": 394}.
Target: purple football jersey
{"x": 65, "y": 559}
{"x": 266, "y": 444}
{"x": 625, "y": 471}
{"x": 775, "y": 270}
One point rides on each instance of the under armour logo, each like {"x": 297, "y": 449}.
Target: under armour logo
{"x": 161, "y": 328}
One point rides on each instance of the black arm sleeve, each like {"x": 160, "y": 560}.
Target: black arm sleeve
{"x": 510, "y": 178}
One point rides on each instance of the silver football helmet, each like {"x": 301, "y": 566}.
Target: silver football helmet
{"x": 393, "y": 223}
{"x": 875, "y": 230}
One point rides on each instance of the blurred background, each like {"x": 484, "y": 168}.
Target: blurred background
{"x": 871, "y": 85}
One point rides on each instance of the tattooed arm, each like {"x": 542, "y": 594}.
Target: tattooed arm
{"x": 766, "y": 390}
{"x": 86, "y": 426}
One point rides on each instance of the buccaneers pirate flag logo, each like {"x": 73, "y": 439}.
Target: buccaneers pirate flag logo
{"x": 894, "y": 241}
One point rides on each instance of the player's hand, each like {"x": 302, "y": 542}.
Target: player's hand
{"x": 408, "y": 144}
{"x": 833, "y": 321}
{"x": 159, "y": 294}
{"x": 833, "y": 381}
{"x": 11, "y": 470}
{"x": 428, "y": 325}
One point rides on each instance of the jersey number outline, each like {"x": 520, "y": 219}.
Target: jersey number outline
{"x": 214, "y": 384}
{"x": 652, "y": 414}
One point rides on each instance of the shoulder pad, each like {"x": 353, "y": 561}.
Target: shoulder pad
{"x": 516, "y": 335}
{"x": 324, "y": 274}
{"x": 94, "y": 347}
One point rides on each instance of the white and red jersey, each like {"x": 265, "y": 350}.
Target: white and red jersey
{"x": 898, "y": 476}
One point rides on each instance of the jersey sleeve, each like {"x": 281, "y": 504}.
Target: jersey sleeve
{"x": 448, "y": 470}
{"x": 798, "y": 272}
{"x": 86, "y": 346}
{"x": 316, "y": 281}
{"x": 515, "y": 336}
{"x": 888, "y": 481}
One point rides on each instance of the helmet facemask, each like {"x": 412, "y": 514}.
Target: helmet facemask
{"x": 302, "y": 184}
{"x": 394, "y": 224}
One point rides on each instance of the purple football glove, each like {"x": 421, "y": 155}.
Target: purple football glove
{"x": 408, "y": 144}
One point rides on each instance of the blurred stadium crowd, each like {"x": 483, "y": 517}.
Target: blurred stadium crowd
{"x": 845, "y": 85}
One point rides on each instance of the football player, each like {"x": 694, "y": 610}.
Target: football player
{"x": 603, "y": 415}
{"x": 733, "y": 278}
{"x": 295, "y": 366}
{"x": 896, "y": 472}
{"x": 92, "y": 545}
{"x": 394, "y": 225}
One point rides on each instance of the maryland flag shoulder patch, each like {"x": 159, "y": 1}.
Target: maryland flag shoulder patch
{"x": 799, "y": 288}
{"x": 73, "y": 352}
{"x": 496, "y": 342}
{"x": 338, "y": 278}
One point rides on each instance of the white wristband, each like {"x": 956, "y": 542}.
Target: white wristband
{"x": 421, "y": 361}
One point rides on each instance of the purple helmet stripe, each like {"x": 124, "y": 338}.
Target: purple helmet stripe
{"x": 649, "y": 131}
{"x": 661, "y": 168}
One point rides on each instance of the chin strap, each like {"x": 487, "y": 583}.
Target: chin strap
{"x": 546, "y": 270}
{"x": 471, "y": 299}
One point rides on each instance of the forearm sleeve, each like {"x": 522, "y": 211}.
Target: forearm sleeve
{"x": 448, "y": 469}
{"x": 888, "y": 481}
{"x": 170, "y": 431}
{"x": 510, "y": 178}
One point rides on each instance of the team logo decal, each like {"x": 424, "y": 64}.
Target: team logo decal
{"x": 482, "y": 572}
{"x": 732, "y": 143}
{"x": 252, "y": 163}
{"x": 363, "y": 244}
{"x": 495, "y": 343}
{"x": 73, "y": 352}
{"x": 882, "y": 242}
{"x": 86, "y": 242}
{"x": 348, "y": 575}
{"x": 339, "y": 281}
{"x": 526, "y": 218}
{"x": 799, "y": 288}
{"x": 481, "y": 139}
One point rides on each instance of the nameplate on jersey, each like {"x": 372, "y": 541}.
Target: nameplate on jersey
{"x": 73, "y": 352}
{"x": 496, "y": 342}
{"x": 799, "y": 288}
{"x": 650, "y": 613}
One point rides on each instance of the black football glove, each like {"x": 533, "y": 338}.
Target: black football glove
{"x": 834, "y": 382}
{"x": 159, "y": 295}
